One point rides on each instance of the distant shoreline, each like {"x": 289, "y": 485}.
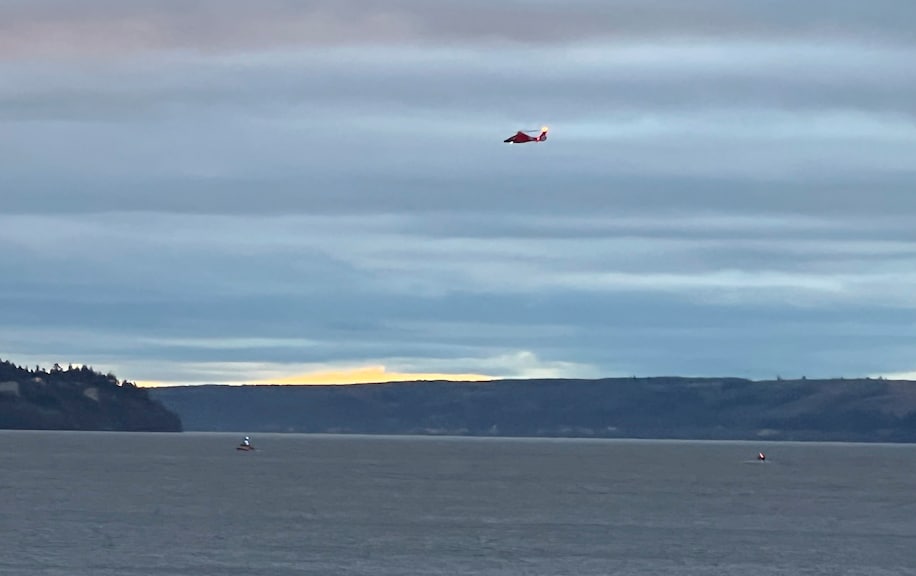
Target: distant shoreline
{"x": 715, "y": 409}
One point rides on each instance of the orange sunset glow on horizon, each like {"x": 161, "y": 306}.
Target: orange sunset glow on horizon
{"x": 375, "y": 374}
{"x": 367, "y": 375}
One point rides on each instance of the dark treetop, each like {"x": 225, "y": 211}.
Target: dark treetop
{"x": 77, "y": 399}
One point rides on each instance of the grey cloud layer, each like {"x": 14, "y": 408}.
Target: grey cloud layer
{"x": 570, "y": 84}
{"x": 318, "y": 140}
{"x": 195, "y": 189}
{"x": 395, "y": 292}
{"x": 108, "y": 28}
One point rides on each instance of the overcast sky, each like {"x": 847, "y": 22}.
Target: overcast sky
{"x": 238, "y": 191}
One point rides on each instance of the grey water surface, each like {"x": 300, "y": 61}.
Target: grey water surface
{"x": 81, "y": 504}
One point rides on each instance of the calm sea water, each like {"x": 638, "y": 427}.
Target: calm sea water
{"x": 81, "y": 504}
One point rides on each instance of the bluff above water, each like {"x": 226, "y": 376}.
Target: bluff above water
{"x": 866, "y": 410}
{"x": 78, "y": 399}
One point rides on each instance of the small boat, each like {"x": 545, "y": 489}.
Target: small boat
{"x": 245, "y": 446}
{"x": 761, "y": 456}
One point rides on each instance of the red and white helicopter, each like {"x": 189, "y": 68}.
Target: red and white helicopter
{"x": 523, "y": 136}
